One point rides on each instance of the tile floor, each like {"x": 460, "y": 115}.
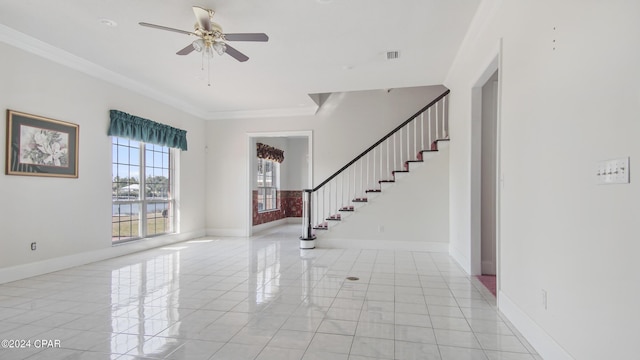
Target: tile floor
{"x": 260, "y": 298}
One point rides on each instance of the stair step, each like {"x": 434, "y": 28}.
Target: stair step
{"x": 360, "y": 200}
{"x": 335, "y": 217}
{"x": 347, "y": 208}
{"x": 386, "y": 181}
{"x": 373, "y": 191}
{"x": 322, "y": 226}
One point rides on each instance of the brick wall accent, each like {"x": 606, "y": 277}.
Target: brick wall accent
{"x": 289, "y": 205}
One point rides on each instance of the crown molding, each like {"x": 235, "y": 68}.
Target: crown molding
{"x": 266, "y": 113}
{"x": 40, "y": 48}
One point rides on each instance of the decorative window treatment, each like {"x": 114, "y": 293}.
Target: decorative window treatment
{"x": 151, "y": 132}
{"x": 270, "y": 153}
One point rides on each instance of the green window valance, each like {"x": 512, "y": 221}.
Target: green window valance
{"x": 145, "y": 130}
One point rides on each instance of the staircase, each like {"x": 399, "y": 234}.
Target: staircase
{"x": 369, "y": 173}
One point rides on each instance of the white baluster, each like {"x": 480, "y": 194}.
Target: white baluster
{"x": 388, "y": 160}
{"x": 408, "y": 144}
{"x": 422, "y": 130}
{"x": 445, "y": 119}
{"x": 395, "y": 158}
{"x": 437, "y": 121}
{"x": 430, "y": 134}
{"x": 374, "y": 167}
{"x": 415, "y": 137}
{"x": 400, "y": 149}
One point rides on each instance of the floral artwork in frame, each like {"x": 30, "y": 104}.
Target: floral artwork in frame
{"x": 39, "y": 146}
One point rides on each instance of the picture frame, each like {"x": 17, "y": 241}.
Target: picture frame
{"x": 40, "y": 146}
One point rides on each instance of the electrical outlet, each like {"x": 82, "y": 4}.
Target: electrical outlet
{"x": 544, "y": 299}
{"x": 33, "y": 246}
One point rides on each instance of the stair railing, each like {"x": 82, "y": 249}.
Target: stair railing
{"x": 377, "y": 164}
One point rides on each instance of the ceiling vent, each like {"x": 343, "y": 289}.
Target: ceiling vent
{"x": 392, "y": 55}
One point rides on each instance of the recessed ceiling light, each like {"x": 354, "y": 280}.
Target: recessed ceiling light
{"x": 108, "y": 22}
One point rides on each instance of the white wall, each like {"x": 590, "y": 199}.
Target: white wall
{"x": 68, "y": 217}
{"x": 412, "y": 213}
{"x": 297, "y": 164}
{"x": 345, "y": 126}
{"x": 562, "y": 110}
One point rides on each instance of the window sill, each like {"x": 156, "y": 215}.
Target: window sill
{"x": 267, "y": 211}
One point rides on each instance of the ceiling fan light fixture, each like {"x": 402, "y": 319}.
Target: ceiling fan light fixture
{"x": 198, "y": 45}
{"x": 208, "y": 51}
{"x": 219, "y": 47}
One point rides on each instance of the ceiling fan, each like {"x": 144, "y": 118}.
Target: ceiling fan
{"x": 210, "y": 36}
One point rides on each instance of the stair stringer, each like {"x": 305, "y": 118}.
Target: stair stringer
{"x": 413, "y": 213}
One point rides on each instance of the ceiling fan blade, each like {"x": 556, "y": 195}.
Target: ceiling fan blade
{"x": 202, "y": 15}
{"x": 187, "y": 50}
{"x": 236, "y": 54}
{"x": 154, "y": 26}
{"x": 247, "y": 37}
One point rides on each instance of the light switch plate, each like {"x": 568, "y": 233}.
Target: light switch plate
{"x": 615, "y": 171}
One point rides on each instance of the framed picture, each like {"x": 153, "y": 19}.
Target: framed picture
{"x": 39, "y": 146}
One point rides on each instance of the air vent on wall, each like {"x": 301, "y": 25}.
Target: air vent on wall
{"x": 392, "y": 55}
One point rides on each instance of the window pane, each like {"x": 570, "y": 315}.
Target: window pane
{"x": 133, "y": 203}
{"x": 125, "y": 221}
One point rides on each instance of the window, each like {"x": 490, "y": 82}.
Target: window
{"x": 142, "y": 193}
{"x": 268, "y": 171}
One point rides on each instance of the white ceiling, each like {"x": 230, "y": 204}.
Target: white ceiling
{"x": 315, "y": 46}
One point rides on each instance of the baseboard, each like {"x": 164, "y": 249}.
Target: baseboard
{"x": 227, "y": 232}
{"x": 334, "y": 243}
{"x": 24, "y": 271}
{"x": 537, "y": 337}
{"x": 462, "y": 260}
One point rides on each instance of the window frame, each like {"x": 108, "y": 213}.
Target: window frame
{"x": 143, "y": 200}
{"x": 261, "y": 184}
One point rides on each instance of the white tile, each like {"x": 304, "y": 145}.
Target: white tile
{"x": 456, "y": 338}
{"x": 291, "y": 339}
{"x": 411, "y": 351}
{"x": 412, "y": 319}
{"x": 330, "y": 343}
{"x": 501, "y": 343}
{"x": 450, "y": 323}
{"x": 457, "y": 353}
{"x": 373, "y": 347}
{"x": 256, "y": 298}
{"x": 253, "y": 336}
{"x": 340, "y": 327}
{"x": 232, "y": 351}
{"x": 196, "y": 350}
{"x": 319, "y": 355}
{"x": 375, "y": 330}
{"x": 270, "y": 353}
{"x": 499, "y": 355}
{"x": 415, "y": 334}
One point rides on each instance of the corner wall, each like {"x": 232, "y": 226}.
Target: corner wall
{"x": 70, "y": 219}
{"x": 570, "y": 85}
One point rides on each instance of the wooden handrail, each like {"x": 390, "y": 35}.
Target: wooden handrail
{"x": 379, "y": 142}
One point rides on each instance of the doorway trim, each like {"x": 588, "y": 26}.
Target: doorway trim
{"x": 476, "y": 135}
{"x": 250, "y": 155}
